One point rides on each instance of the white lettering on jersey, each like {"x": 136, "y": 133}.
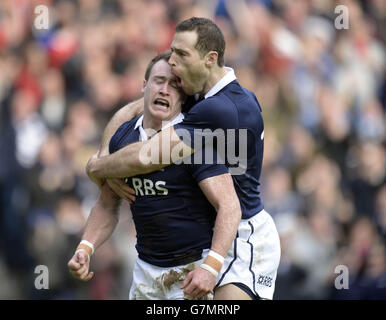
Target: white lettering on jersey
{"x": 137, "y": 184}
{"x": 159, "y": 188}
{"x": 146, "y": 187}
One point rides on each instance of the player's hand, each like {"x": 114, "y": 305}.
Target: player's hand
{"x": 199, "y": 283}
{"x": 79, "y": 266}
{"x": 122, "y": 189}
{"x": 89, "y": 169}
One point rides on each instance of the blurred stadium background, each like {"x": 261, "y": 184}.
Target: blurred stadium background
{"x": 323, "y": 96}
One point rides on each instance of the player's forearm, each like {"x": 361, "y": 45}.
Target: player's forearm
{"x": 126, "y": 162}
{"x": 141, "y": 157}
{"x": 126, "y": 113}
{"x": 225, "y": 230}
{"x": 220, "y": 192}
{"x": 101, "y": 221}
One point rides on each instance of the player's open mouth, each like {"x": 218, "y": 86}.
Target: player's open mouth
{"x": 161, "y": 102}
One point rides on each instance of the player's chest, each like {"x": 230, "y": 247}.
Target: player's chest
{"x": 161, "y": 182}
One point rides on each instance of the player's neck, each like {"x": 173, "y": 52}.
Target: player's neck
{"x": 151, "y": 124}
{"x": 215, "y": 76}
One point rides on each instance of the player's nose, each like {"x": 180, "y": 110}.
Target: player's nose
{"x": 165, "y": 88}
{"x": 172, "y": 61}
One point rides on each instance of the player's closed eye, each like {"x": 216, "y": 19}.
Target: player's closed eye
{"x": 173, "y": 84}
{"x": 159, "y": 80}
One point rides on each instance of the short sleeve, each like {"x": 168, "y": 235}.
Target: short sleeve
{"x": 205, "y": 164}
{"x": 117, "y": 137}
{"x": 204, "y": 171}
{"x": 201, "y": 170}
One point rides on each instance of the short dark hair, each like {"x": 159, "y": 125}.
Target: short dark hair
{"x": 209, "y": 36}
{"x": 161, "y": 56}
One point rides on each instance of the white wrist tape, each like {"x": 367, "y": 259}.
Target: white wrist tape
{"x": 210, "y": 269}
{"x": 216, "y": 256}
{"x": 89, "y": 244}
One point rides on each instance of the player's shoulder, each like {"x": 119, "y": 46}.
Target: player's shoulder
{"x": 121, "y": 133}
{"x": 232, "y": 95}
{"x": 128, "y": 125}
{"x": 237, "y": 93}
{"x": 220, "y": 111}
{"x": 223, "y": 100}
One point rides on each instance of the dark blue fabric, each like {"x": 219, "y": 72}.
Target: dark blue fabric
{"x": 235, "y": 108}
{"x": 173, "y": 218}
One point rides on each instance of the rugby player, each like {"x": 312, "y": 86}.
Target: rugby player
{"x": 180, "y": 212}
{"x": 250, "y": 266}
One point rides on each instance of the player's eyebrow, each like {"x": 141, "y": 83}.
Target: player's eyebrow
{"x": 172, "y": 80}
{"x": 159, "y": 77}
{"x": 177, "y": 50}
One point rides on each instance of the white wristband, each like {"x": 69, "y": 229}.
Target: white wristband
{"x": 216, "y": 256}
{"x": 210, "y": 269}
{"x": 89, "y": 258}
{"x": 88, "y": 244}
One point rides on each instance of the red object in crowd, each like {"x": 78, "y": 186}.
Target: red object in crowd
{"x": 27, "y": 82}
{"x": 63, "y": 46}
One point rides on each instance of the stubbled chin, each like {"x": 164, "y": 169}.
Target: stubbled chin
{"x": 188, "y": 91}
{"x": 185, "y": 88}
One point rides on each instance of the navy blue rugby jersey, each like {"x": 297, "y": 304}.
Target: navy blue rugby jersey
{"x": 173, "y": 219}
{"x": 237, "y": 112}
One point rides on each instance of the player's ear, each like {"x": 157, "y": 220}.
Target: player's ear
{"x": 143, "y": 85}
{"x": 211, "y": 58}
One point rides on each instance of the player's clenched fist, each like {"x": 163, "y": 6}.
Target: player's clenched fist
{"x": 199, "y": 283}
{"x": 79, "y": 266}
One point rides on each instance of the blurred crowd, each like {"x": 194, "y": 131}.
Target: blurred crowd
{"x": 322, "y": 91}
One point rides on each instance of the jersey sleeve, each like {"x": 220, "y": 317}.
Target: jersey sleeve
{"x": 206, "y": 165}
{"x": 116, "y": 138}
{"x": 203, "y": 171}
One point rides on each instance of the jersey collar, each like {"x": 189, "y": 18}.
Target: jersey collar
{"x": 224, "y": 81}
{"x": 143, "y": 135}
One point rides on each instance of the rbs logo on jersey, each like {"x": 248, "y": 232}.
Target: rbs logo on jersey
{"x": 146, "y": 187}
